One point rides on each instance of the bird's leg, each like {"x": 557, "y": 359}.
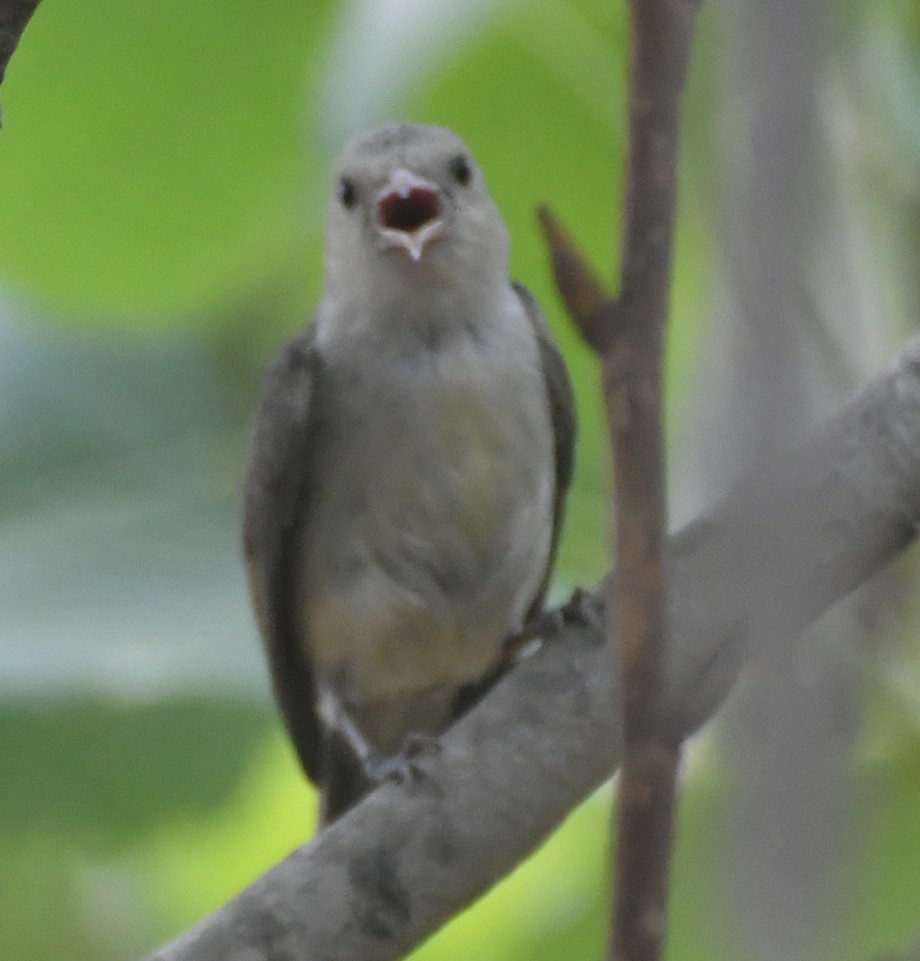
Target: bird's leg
{"x": 377, "y": 766}
{"x": 406, "y": 765}
{"x": 353, "y": 736}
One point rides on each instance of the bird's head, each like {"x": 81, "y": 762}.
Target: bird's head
{"x": 410, "y": 212}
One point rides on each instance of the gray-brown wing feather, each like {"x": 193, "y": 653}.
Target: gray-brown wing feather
{"x": 562, "y": 413}
{"x": 275, "y": 492}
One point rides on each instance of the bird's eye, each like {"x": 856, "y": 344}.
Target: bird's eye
{"x": 461, "y": 169}
{"x": 348, "y": 193}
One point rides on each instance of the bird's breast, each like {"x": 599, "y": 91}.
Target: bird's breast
{"x": 429, "y": 524}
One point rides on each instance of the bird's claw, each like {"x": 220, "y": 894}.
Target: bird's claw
{"x": 406, "y": 766}
{"x": 583, "y": 609}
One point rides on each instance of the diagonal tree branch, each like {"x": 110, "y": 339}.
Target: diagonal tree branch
{"x": 827, "y": 516}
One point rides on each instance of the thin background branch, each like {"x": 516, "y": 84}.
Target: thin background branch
{"x": 787, "y": 740}
{"x": 14, "y": 15}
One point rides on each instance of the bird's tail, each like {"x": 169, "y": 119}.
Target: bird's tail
{"x": 343, "y": 780}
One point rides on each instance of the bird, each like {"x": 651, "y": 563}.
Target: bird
{"x": 407, "y": 468}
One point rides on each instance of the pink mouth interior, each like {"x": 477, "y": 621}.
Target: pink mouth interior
{"x": 407, "y": 213}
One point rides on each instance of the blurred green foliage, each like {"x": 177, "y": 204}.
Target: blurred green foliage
{"x": 157, "y": 166}
{"x": 163, "y": 174}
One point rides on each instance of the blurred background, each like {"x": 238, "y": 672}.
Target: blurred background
{"x": 163, "y": 179}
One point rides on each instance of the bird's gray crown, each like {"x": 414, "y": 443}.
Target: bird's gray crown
{"x": 399, "y": 135}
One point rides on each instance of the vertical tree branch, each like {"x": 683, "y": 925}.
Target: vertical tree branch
{"x": 629, "y": 334}
{"x": 632, "y": 375}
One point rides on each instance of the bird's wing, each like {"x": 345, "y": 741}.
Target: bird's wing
{"x": 275, "y": 494}
{"x": 562, "y": 413}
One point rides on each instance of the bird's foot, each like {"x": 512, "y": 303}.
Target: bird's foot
{"x": 408, "y": 765}
{"x": 583, "y": 609}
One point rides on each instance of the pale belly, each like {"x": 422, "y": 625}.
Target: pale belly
{"x": 428, "y": 531}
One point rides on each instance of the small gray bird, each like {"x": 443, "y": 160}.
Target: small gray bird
{"x": 408, "y": 465}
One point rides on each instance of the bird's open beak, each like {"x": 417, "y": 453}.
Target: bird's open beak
{"x": 410, "y": 213}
